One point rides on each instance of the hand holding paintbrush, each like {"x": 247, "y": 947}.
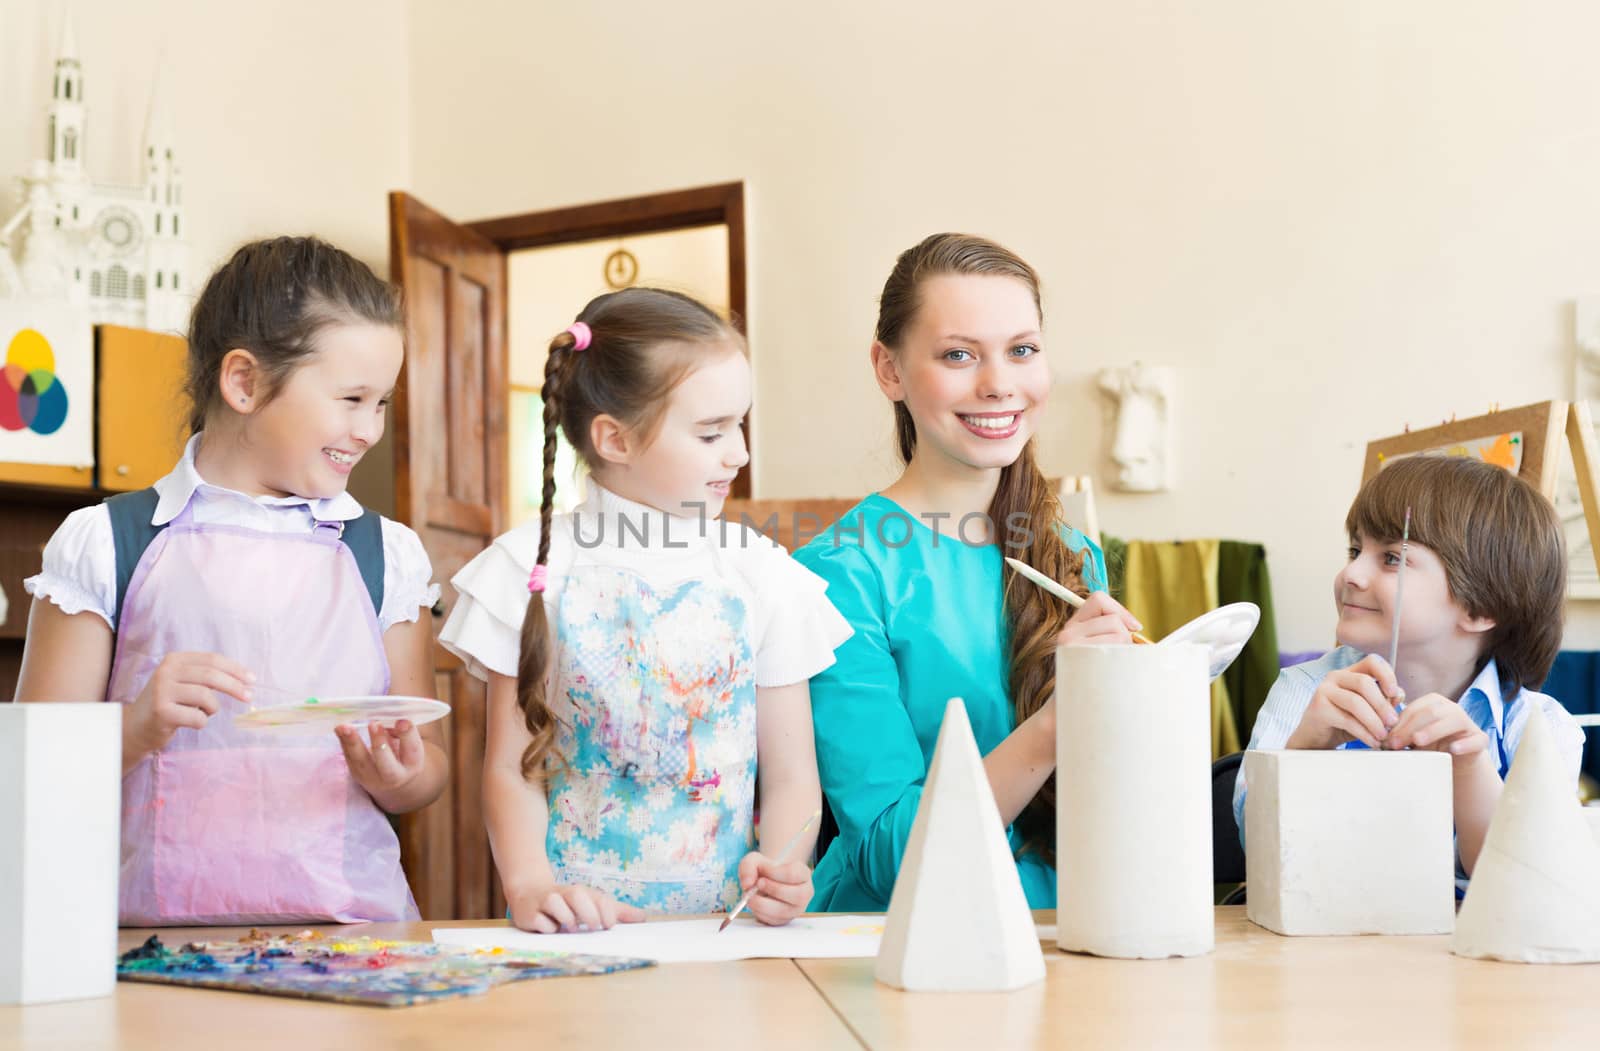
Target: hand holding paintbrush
{"x": 1099, "y": 606}
{"x": 782, "y": 860}
{"x": 1399, "y": 697}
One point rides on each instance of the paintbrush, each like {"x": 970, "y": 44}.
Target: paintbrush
{"x": 1070, "y": 598}
{"x": 783, "y": 855}
{"x": 1399, "y": 597}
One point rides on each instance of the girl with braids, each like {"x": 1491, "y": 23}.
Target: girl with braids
{"x": 250, "y": 576}
{"x": 918, "y": 572}
{"x": 641, "y": 656}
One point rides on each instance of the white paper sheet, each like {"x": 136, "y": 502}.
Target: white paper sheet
{"x": 693, "y": 941}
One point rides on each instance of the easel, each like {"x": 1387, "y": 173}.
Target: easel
{"x": 1538, "y": 429}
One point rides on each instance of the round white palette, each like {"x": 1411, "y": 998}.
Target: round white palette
{"x": 1223, "y": 631}
{"x": 328, "y": 712}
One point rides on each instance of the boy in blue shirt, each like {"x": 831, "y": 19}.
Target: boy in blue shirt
{"x": 1485, "y": 585}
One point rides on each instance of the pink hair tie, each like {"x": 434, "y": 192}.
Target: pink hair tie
{"x": 581, "y": 335}
{"x": 536, "y": 579}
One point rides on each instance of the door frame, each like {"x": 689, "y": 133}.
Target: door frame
{"x": 629, "y": 216}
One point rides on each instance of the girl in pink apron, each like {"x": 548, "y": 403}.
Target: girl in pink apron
{"x": 248, "y": 577}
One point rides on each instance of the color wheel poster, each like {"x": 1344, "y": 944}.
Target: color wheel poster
{"x": 46, "y": 384}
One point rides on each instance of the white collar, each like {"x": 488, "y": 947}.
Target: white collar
{"x": 605, "y": 519}
{"x": 176, "y": 490}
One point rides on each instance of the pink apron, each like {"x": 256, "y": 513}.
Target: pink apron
{"x": 228, "y": 825}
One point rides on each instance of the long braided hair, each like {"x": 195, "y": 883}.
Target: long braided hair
{"x": 642, "y": 342}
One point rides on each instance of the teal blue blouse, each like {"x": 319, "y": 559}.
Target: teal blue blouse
{"x": 928, "y": 617}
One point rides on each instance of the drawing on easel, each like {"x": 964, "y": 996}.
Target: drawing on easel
{"x": 1502, "y": 450}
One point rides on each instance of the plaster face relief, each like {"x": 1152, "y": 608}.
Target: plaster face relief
{"x": 1141, "y": 433}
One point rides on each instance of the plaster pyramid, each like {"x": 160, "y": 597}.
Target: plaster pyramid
{"x": 1535, "y": 892}
{"x": 958, "y": 919}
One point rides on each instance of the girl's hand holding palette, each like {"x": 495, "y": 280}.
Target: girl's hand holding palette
{"x": 325, "y": 713}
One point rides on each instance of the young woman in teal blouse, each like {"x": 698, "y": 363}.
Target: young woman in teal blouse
{"x": 917, "y": 570}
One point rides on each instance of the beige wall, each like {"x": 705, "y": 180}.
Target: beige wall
{"x": 1332, "y": 219}
{"x": 290, "y": 117}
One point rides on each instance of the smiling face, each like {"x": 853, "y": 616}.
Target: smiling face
{"x": 969, "y": 369}
{"x": 1364, "y": 594}
{"x": 328, "y": 413}
{"x": 697, "y": 448}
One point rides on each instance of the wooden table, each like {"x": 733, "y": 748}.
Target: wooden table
{"x": 1256, "y": 990}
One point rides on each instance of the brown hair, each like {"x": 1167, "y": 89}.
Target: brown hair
{"x": 1034, "y": 617}
{"x": 644, "y": 342}
{"x": 1501, "y": 544}
{"x": 272, "y": 298}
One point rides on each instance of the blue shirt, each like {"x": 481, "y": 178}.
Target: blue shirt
{"x": 929, "y": 625}
{"x": 1504, "y": 724}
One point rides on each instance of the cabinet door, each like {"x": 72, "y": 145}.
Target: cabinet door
{"x": 143, "y": 410}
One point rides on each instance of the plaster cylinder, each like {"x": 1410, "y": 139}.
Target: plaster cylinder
{"x": 1133, "y": 801}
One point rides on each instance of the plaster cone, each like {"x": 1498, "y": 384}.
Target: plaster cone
{"x": 958, "y": 919}
{"x": 1535, "y": 892}
{"x": 1133, "y": 801}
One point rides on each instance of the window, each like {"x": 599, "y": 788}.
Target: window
{"x": 138, "y": 286}
{"x": 94, "y": 283}
{"x": 69, "y": 87}
{"x": 117, "y": 282}
{"x": 69, "y": 144}
{"x": 53, "y": 133}
{"x": 158, "y": 222}
{"x": 174, "y": 280}
{"x": 74, "y": 212}
{"x": 158, "y": 279}
{"x": 174, "y": 226}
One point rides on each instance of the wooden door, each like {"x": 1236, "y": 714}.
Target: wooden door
{"x": 450, "y": 453}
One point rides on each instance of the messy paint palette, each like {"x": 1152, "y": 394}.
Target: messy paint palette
{"x": 311, "y": 965}
{"x": 327, "y": 712}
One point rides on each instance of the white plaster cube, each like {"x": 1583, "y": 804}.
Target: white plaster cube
{"x": 1349, "y": 842}
{"x": 60, "y": 835}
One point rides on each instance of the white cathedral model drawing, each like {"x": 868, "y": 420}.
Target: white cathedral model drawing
{"x": 116, "y": 250}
